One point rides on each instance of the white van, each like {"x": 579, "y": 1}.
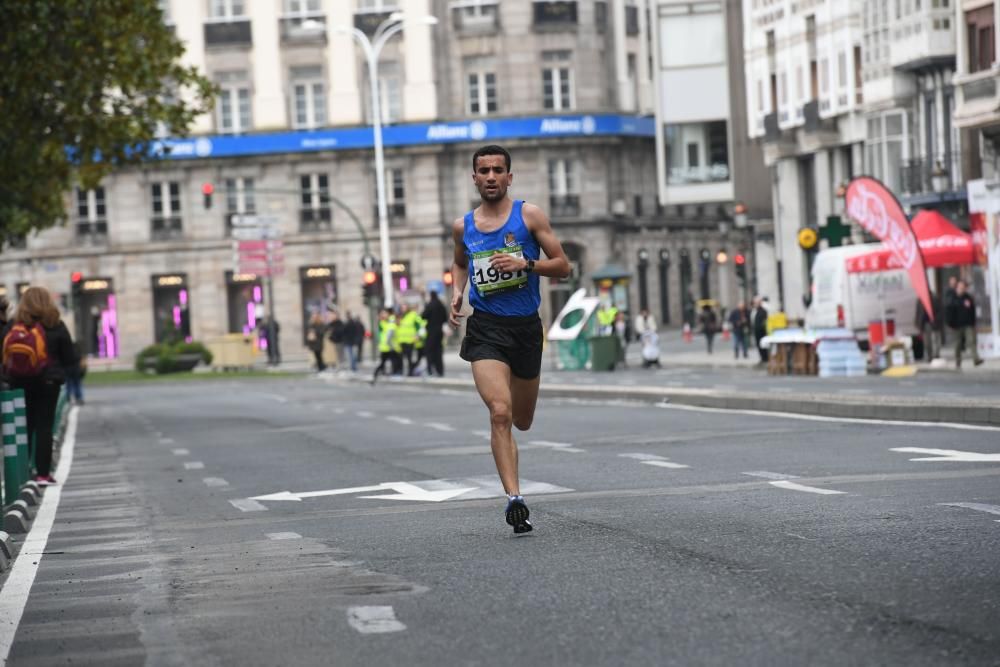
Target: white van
{"x": 852, "y": 300}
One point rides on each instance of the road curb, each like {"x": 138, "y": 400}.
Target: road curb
{"x": 824, "y": 405}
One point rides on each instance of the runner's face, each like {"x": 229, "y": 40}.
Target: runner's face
{"x": 491, "y": 177}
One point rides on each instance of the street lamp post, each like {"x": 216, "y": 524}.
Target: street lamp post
{"x": 373, "y": 49}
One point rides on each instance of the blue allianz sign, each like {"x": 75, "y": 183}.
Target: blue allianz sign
{"x": 303, "y": 141}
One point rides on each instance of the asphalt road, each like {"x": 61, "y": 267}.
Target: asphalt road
{"x": 664, "y": 535}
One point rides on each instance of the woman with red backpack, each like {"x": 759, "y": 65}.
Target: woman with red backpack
{"x": 37, "y": 350}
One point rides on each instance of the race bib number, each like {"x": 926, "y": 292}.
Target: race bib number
{"x": 488, "y": 280}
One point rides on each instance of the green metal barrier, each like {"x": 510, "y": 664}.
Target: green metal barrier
{"x": 15, "y": 443}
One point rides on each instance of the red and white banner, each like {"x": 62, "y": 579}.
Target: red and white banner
{"x": 871, "y": 205}
{"x": 941, "y": 244}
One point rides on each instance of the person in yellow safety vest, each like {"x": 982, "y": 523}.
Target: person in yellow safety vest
{"x": 606, "y": 320}
{"x": 388, "y": 344}
{"x": 409, "y": 325}
{"x": 418, "y": 345}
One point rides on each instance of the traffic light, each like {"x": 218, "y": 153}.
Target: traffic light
{"x": 207, "y": 190}
{"x": 448, "y": 279}
{"x": 371, "y": 287}
{"x": 741, "y": 267}
{"x": 76, "y": 289}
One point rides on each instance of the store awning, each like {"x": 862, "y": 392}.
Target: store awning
{"x": 941, "y": 243}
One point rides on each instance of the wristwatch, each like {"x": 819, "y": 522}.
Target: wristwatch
{"x": 531, "y": 266}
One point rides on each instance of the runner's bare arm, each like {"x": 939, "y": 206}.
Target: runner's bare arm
{"x": 459, "y": 271}
{"x": 555, "y": 265}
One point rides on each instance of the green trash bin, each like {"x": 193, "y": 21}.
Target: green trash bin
{"x": 605, "y": 352}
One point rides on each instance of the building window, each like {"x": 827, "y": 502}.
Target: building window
{"x": 390, "y": 94}
{"x": 980, "y": 37}
{"x": 240, "y": 199}
{"x": 697, "y": 152}
{"x": 475, "y": 14}
{"x": 315, "y": 213}
{"x": 694, "y": 39}
{"x": 303, "y": 8}
{"x": 564, "y": 188}
{"x": 166, "y": 222}
{"x": 887, "y": 147}
{"x": 557, "y": 81}
{"x": 233, "y": 106}
{"x": 378, "y": 5}
{"x": 395, "y": 197}
{"x": 308, "y": 97}
{"x": 91, "y": 215}
{"x": 482, "y": 93}
{"x": 226, "y": 9}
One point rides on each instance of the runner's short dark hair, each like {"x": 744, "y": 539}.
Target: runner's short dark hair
{"x": 492, "y": 149}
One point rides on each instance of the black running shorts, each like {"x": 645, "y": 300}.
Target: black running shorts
{"x": 516, "y": 341}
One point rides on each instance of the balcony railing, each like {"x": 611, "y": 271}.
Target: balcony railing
{"x": 93, "y": 232}
{"x": 315, "y": 219}
{"x": 772, "y": 131}
{"x": 369, "y": 21}
{"x": 483, "y": 17}
{"x": 942, "y": 173}
{"x": 396, "y": 214}
{"x": 235, "y": 32}
{"x": 564, "y": 206}
{"x": 164, "y": 229}
{"x": 293, "y": 32}
{"x": 555, "y": 14}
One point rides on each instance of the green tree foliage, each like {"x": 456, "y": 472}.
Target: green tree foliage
{"x": 84, "y": 86}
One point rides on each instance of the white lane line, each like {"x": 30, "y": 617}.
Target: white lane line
{"x": 792, "y": 486}
{"x": 831, "y": 420}
{"x": 18, "y": 585}
{"x": 373, "y": 619}
{"x": 215, "y": 481}
{"x": 284, "y": 536}
{"x": 483, "y": 434}
{"x": 439, "y": 426}
{"x": 194, "y": 465}
{"x": 247, "y": 505}
{"x": 181, "y": 452}
{"x": 663, "y": 464}
{"x": 166, "y": 441}
{"x": 399, "y": 420}
{"x": 276, "y": 397}
{"x": 558, "y": 446}
{"x": 769, "y": 475}
{"x": 365, "y": 414}
{"x": 339, "y": 411}
{"x": 979, "y": 507}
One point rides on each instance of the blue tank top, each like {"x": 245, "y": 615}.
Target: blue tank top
{"x": 490, "y": 291}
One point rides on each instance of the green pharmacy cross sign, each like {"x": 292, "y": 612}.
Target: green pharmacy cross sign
{"x": 835, "y": 231}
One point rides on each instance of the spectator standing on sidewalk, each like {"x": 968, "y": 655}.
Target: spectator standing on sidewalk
{"x": 709, "y": 325}
{"x": 436, "y": 318}
{"x": 739, "y": 322}
{"x": 355, "y": 340}
{"x": 406, "y": 333}
{"x": 75, "y": 375}
{"x": 758, "y": 321}
{"x": 315, "y": 334}
{"x": 338, "y": 336}
{"x": 644, "y": 322}
{"x": 37, "y": 350}
{"x": 963, "y": 319}
{"x": 949, "y": 305}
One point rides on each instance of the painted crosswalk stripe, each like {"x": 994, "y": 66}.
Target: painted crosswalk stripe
{"x": 439, "y": 426}
{"x": 792, "y": 486}
{"x": 215, "y": 481}
{"x": 193, "y": 465}
{"x": 979, "y": 507}
{"x": 247, "y": 505}
{"x": 399, "y": 420}
{"x": 181, "y": 452}
{"x": 374, "y": 619}
{"x": 557, "y": 446}
{"x": 284, "y": 536}
{"x": 769, "y": 475}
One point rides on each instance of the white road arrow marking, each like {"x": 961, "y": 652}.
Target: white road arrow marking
{"x": 404, "y": 491}
{"x": 374, "y": 620}
{"x": 948, "y": 455}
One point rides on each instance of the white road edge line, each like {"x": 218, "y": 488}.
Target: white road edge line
{"x": 836, "y": 420}
{"x": 17, "y": 588}
{"x": 373, "y": 619}
{"x": 792, "y": 486}
{"x": 769, "y": 475}
{"x": 979, "y": 507}
{"x": 663, "y": 464}
{"x": 284, "y": 536}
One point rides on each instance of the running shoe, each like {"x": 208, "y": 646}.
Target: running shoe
{"x": 45, "y": 480}
{"x": 517, "y": 514}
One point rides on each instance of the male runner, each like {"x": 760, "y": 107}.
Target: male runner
{"x": 501, "y": 240}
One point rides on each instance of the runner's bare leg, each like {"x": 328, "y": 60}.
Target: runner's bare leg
{"x": 493, "y": 381}
{"x": 524, "y": 394}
